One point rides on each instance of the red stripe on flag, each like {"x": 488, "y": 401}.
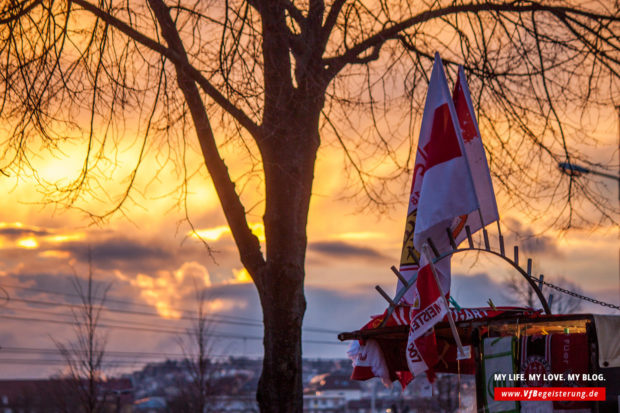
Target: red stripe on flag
{"x": 443, "y": 144}
{"x": 468, "y": 128}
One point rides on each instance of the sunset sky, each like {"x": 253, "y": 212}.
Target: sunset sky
{"x": 151, "y": 261}
{"x": 150, "y": 258}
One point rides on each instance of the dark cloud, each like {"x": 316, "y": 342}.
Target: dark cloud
{"x": 20, "y": 232}
{"x": 119, "y": 249}
{"x": 7, "y": 339}
{"x": 56, "y": 282}
{"x": 475, "y": 290}
{"x": 340, "y": 249}
{"x": 123, "y": 253}
{"x": 51, "y": 287}
{"x": 529, "y": 241}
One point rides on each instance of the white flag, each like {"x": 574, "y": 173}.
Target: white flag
{"x": 445, "y": 190}
{"x": 476, "y": 158}
{"x": 442, "y": 192}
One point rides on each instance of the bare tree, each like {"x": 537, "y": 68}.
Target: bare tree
{"x": 276, "y": 78}
{"x": 563, "y": 303}
{"x": 520, "y": 292}
{"x": 85, "y": 355}
{"x": 197, "y": 347}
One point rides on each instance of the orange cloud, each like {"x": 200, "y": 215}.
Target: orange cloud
{"x": 216, "y": 233}
{"x": 55, "y": 254}
{"x": 167, "y": 290}
{"x": 241, "y": 276}
{"x": 18, "y": 235}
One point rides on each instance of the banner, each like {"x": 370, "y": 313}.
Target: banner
{"x": 498, "y": 357}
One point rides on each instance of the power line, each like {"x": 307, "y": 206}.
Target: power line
{"x": 156, "y": 330}
{"x": 115, "y": 353}
{"x": 101, "y": 325}
{"x": 127, "y": 302}
{"x": 156, "y": 356}
{"x": 219, "y": 318}
{"x": 55, "y": 362}
{"x": 72, "y": 317}
{"x": 140, "y": 313}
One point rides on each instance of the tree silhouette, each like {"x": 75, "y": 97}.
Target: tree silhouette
{"x": 197, "y": 346}
{"x": 277, "y": 78}
{"x": 521, "y": 293}
{"x": 84, "y": 357}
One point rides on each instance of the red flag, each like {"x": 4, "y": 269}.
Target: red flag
{"x": 442, "y": 191}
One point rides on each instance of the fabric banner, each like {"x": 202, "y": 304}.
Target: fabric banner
{"x": 421, "y": 353}
{"x": 568, "y": 356}
{"x": 535, "y": 360}
{"x": 366, "y": 356}
{"x": 368, "y": 361}
{"x": 476, "y": 159}
{"x": 498, "y": 357}
{"x": 607, "y": 327}
{"x": 402, "y": 315}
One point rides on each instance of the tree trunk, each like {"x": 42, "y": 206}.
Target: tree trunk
{"x": 288, "y": 158}
{"x": 280, "y": 388}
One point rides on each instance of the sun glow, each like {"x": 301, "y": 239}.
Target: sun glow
{"x": 11, "y": 225}
{"x": 214, "y": 234}
{"x": 28, "y": 243}
{"x": 241, "y": 276}
{"x": 211, "y": 234}
{"x": 219, "y": 304}
{"x": 361, "y": 235}
{"x": 65, "y": 237}
{"x": 159, "y": 292}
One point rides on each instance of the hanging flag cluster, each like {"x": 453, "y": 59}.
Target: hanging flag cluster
{"x": 451, "y": 188}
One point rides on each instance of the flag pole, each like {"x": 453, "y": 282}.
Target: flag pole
{"x": 463, "y": 354}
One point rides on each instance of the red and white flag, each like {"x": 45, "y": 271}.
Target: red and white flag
{"x": 442, "y": 196}
{"x": 476, "y": 158}
{"x": 442, "y": 192}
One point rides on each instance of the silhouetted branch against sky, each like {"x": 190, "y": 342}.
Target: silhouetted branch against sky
{"x": 534, "y": 68}
{"x": 255, "y": 88}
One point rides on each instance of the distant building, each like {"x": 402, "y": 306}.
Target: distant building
{"x": 330, "y": 392}
{"x": 60, "y": 395}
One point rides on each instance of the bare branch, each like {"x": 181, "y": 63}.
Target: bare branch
{"x": 187, "y": 68}
{"x": 247, "y": 242}
{"x": 19, "y": 13}
{"x": 393, "y": 31}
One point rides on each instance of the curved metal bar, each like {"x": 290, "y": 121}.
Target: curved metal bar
{"x": 524, "y": 273}
{"x": 400, "y": 294}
